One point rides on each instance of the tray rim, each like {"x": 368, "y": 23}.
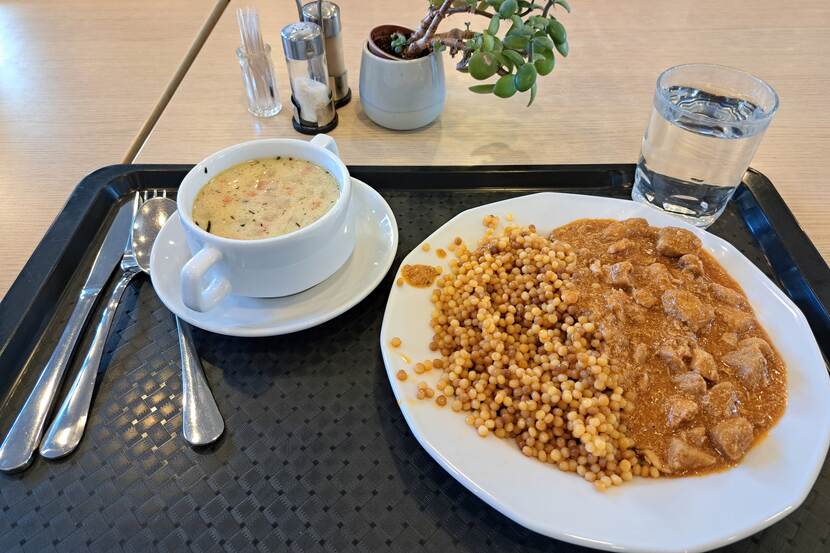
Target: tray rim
{"x": 31, "y": 301}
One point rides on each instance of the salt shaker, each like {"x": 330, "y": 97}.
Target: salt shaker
{"x": 310, "y": 93}
{"x": 338, "y": 75}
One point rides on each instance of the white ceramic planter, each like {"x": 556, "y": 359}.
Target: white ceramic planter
{"x": 402, "y": 94}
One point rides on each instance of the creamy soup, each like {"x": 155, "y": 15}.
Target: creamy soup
{"x": 265, "y": 197}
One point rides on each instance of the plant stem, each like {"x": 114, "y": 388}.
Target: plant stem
{"x": 455, "y": 34}
{"x": 466, "y": 9}
{"x": 454, "y": 44}
{"x": 464, "y": 61}
{"x": 548, "y": 6}
{"x": 425, "y": 22}
{"x": 529, "y": 9}
{"x": 422, "y": 43}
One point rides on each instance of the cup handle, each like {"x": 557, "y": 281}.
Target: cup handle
{"x": 195, "y": 294}
{"x": 327, "y": 142}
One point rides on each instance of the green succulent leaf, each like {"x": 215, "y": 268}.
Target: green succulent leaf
{"x": 504, "y": 61}
{"x": 525, "y": 77}
{"x": 483, "y": 88}
{"x": 493, "y": 28}
{"x": 514, "y": 56}
{"x": 505, "y": 87}
{"x": 537, "y": 21}
{"x": 516, "y": 42}
{"x": 487, "y": 42}
{"x": 545, "y": 65}
{"x": 508, "y": 8}
{"x": 532, "y": 94}
{"x": 557, "y": 32}
{"x": 398, "y": 42}
{"x": 525, "y": 51}
{"x": 483, "y": 65}
{"x": 542, "y": 43}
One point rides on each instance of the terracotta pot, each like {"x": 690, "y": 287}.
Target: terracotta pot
{"x": 383, "y": 32}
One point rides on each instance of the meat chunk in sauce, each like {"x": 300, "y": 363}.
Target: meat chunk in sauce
{"x": 726, "y": 295}
{"x": 695, "y": 436}
{"x": 622, "y": 307}
{"x": 704, "y": 364}
{"x": 680, "y": 410}
{"x": 644, "y": 297}
{"x": 750, "y": 365}
{"x": 721, "y": 401}
{"x": 629, "y": 228}
{"x": 675, "y": 353}
{"x": 732, "y": 437}
{"x": 619, "y": 274}
{"x": 686, "y": 307}
{"x": 683, "y": 456}
{"x": 736, "y": 320}
{"x": 615, "y": 230}
{"x": 760, "y": 343}
{"x": 620, "y": 246}
{"x": 659, "y": 276}
{"x": 730, "y": 338}
{"x": 691, "y": 263}
{"x": 676, "y": 242}
{"x": 690, "y": 383}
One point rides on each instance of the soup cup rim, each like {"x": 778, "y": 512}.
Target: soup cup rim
{"x": 339, "y": 205}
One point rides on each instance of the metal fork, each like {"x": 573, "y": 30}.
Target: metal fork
{"x": 68, "y": 427}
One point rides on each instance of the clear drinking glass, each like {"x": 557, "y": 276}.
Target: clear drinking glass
{"x": 706, "y": 124}
{"x": 260, "y": 83}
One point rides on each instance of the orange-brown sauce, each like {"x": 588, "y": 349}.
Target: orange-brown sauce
{"x": 655, "y": 342}
{"x": 419, "y": 276}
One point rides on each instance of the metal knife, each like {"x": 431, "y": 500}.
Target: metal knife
{"x": 23, "y": 437}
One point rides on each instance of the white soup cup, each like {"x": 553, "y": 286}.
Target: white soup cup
{"x": 266, "y": 267}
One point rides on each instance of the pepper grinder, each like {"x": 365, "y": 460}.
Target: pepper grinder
{"x": 310, "y": 93}
{"x": 334, "y": 47}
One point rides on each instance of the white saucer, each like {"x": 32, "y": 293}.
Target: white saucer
{"x": 377, "y": 242}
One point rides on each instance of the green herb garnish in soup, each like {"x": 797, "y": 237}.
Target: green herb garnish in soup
{"x": 265, "y": 197}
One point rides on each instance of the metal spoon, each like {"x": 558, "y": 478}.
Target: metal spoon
{"x": 201, "y": 420}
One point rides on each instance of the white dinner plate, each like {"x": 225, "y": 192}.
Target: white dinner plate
{"x": 662, "y": 515}
{"x": 377, "y": 242}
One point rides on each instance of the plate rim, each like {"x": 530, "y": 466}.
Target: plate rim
{"x": 285, "y": 328}
{"x": 481, "y": 493}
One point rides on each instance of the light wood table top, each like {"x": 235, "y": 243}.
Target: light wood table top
{"x": 592, "y": 109}
{"x": 78, "y": 79}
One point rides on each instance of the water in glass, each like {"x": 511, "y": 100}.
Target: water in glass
{"x": 690, "y": 165}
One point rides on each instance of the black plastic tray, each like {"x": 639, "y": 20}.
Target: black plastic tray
{"x": 316, "y": 455}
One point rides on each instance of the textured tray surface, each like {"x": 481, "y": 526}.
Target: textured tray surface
{"x": 315, "y": 457}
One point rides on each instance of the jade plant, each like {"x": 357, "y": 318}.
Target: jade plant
{"x": 515, "y": 58}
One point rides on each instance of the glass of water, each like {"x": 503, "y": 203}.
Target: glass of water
{"x": 706, "y": 124}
